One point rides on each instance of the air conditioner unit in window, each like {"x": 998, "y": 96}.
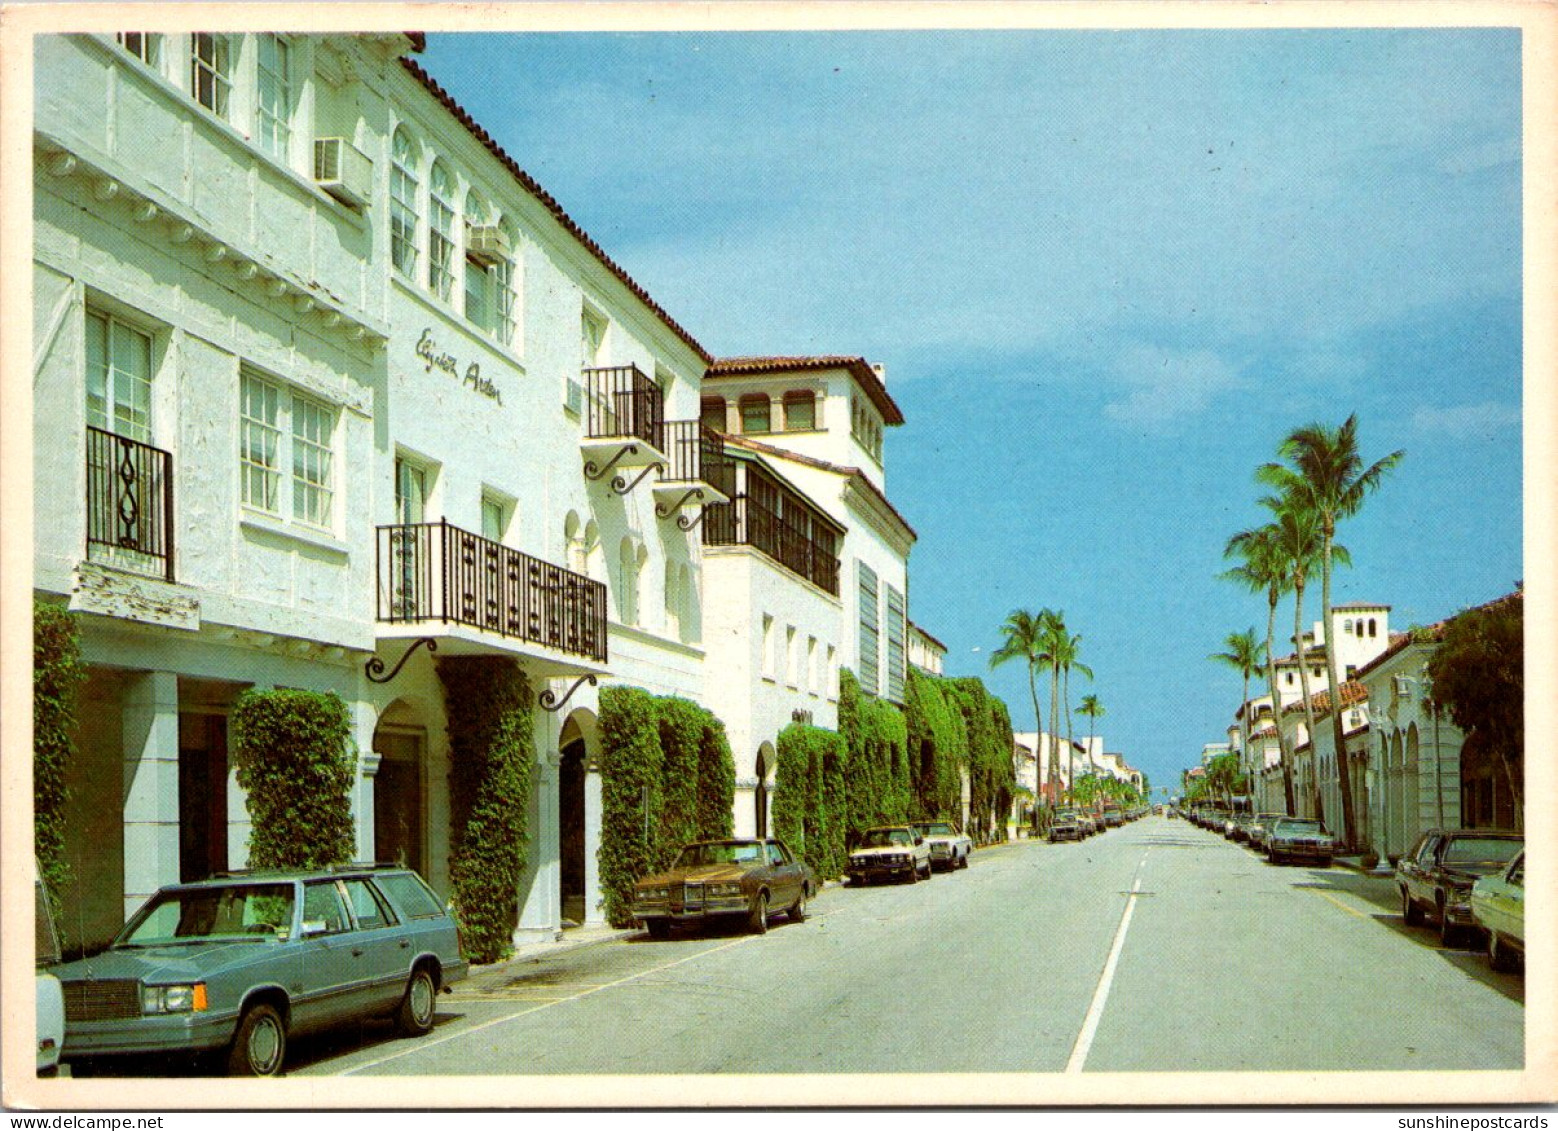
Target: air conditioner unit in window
{"x": 343, "y": 170}
{"x": 487, "y": 244}
{"x": 575, "y": 397}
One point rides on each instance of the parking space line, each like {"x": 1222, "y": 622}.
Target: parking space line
{"x": 1332, "y": 899}
{"x": 422, "y": 1046}
{"x": 1095, "y": 1011}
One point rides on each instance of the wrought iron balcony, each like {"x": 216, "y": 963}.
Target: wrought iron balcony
{"x": 768, "y": 516}
{"x": 129, "y": 504}
{"x": 435, "y": 572}
{"x": 624, "y": 424}
{"x": 697, "y": 470}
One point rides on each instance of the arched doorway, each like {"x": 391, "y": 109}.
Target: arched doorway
{"x": 570, "y": 821}
{"x": 400, "y": 789}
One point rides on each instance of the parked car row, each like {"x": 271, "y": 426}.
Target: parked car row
{"x": 1470, "y": 883}
{"x": 240, "y": 963}
{"x": 1277, "y": 836}
{"x": 1079, "y": 823}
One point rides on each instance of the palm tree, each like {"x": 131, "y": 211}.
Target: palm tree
{"x": 1265, "y": 568}
{"x": 1067, "y": 648}
{"x": 1245, "y": 655}
{"x": 1094, "y": 710}
{"x": 1028, "y": 638}
{"x": 1298, "y": 539}
{"x": 1327, "y": 472}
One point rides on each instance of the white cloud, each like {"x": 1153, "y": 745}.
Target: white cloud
{"x": 1162, "y": 384}
{"x": 1466, "y": 422}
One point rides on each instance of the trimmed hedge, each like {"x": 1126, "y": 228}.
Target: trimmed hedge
{"x": 57, "y": 676}
{"x": 992, "y": 778}
{"x": 877, "y": 767}
{"x": 938, "y": 747}
{"x": 810, "y": 807}
{"x": 488, "y": 704}
{"x": 296, "y": 762}
{"x": 678, "y": 753}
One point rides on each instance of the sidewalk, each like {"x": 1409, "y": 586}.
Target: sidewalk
{"x": 494, "y": 974}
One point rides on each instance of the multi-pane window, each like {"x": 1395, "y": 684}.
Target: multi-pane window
{"x": 275, "y": 95}
{"x": 493, "y": 519}
{"x": 440, "y": 234}
{"x": 712, "y": 413}
{"x": 313, "y": 427}
{"x": 800, "y": 410}
{"x": 505, "y": 286}
{"x": 756, "y": 413}
{"x": 403, "y": 205}
{"x": 479, "y": 304}
{"x": 259, "y": 442}
{"x": 118, "y": 377}
{"x": 211, "y": 71}
{"x": 144, "y": 45}
{"x": 592, "y": 330}
{"x": 768, "y": 645}
{"x": 270, "y": 416}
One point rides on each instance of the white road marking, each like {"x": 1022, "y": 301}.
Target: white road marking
{"x": 1095, "y": 1011}
{"x": 423, "y": 1046}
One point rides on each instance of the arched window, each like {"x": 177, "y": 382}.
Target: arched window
{"x": 480, "y": 304}
{"x": 1373, "y": 627}
{"x": 403, "y": 204}
{"x": 627, "y": 581}
{"x": 1347, "y": 627}
{"x": 673, "y": 599}
{"x": 573, "y": 542}
{"x": 712, "y": 412}
{"x": 756, "y": 413}
{"x": 440, "y": 231}
{"x": 800, "y": 410}
{"x": 506, "y": 284}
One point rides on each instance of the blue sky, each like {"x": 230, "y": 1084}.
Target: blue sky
{"x": 1107, "y": 273}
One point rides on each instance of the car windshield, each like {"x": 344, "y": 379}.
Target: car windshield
{"x": 883, "y": 838}
{"x": 698, "y": 855}
{"x": 1292, "y": 825}
{"x": 1481, "y": 850}
{"x": 935, "y": 828}
{"x": 242, "y": 911}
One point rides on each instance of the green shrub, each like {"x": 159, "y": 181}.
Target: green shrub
{"x": 992, "y": 779}
{"x": 716, "y": 780}
{"x": 297, "y": 764}
{"x": 877, "y": 779}
{"x": 632, "y": 767}
{"x": 681, "y": 738}
{"x": 810, "y": 810}
{"x": 57, "y": 675}
{"x": 489, "y": 707}
{"x": 938, "y": 746}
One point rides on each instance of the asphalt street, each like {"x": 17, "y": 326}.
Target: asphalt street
{"x": 1157, "y": 946}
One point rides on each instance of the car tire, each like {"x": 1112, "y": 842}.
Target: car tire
{"x": 964, "y": 863}
{"x": 797, "y": 912}
{"x": 260, "y": 1045}
{"x": 1449, "y": 933}
{"x": 757, "y": 917}
{"x": 1411, "y": 913}
{"x": 414, "y": 1017}
{"x": 1500, "y": 957}
{"x": 658, "y": 928}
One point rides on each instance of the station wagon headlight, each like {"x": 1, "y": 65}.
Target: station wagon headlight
{"x": 724, "y": 889}
{"x": 174, "y": 999}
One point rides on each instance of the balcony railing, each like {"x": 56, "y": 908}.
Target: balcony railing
{"x": 432, "y": 571}
{"x": 697, "y": 455}
{"x": 624, "y": 401}
{"x": 784, "y": 532}
{"x": 129, "y": 504}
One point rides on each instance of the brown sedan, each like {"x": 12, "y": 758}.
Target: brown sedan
{"x": 725, "y": 878}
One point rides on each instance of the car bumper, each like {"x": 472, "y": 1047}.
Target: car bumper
{"x": 690, "y": 912}
{"x": 869, "y": 871}
{"x": 455, "y": 971}
{"x": 1307, "y": 851}
{"x": 1461, "y": 916}
{"x": 189, "y": 1032}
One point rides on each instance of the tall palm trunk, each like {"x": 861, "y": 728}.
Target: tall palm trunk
{"x": 1071, "y": 750}
{"x": 1338, "y": 729}
{"x": 1054, "y": 750}
{"x": 1303, "y": 682}
{"x": 1038, "y": 742}
{"x": 1284, "y": 758}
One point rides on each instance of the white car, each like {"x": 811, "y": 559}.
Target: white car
{"x": 890, "y": 851}
{"x": 49, "y": 993}
{"x": 949, "y": 849}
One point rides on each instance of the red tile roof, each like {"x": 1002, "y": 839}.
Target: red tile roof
{"x": 530, "y": 185}
{"x": 1265, "y": 732}
{"x": 859, "y": 368}
{"x": 1353, "y": 693}
{"x": 1433, "y": 633}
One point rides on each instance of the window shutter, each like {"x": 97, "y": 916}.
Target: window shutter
{"x": 869, "y": 631}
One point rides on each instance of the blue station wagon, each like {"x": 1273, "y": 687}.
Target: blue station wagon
{"x": 243, "y": 961}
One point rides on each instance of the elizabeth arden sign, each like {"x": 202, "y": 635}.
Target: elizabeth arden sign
{"x": 427, "y": 350}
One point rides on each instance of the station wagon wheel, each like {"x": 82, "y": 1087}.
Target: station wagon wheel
{"x": 1500, "y": 957}
{"x": 415, "y": 1015}
{"x": 757, "y": 919}
{"x": 260, "y": 1044}
{"x": 1449, "y": 933}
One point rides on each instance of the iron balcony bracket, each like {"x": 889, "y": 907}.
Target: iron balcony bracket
{"x": 688, "y": 524}
{"x": 592, "y": 472}
{"x": 375, "y": 666}
{"x": 663, "y": 511}
{"x": 549, "y": 700}
{"x": 621, "y": 485}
